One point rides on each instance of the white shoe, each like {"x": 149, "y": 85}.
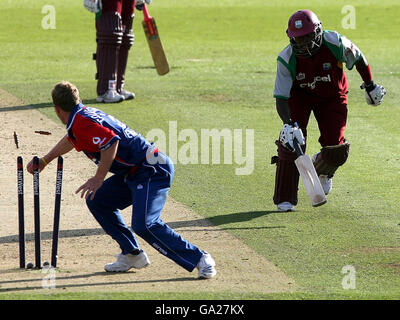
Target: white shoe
{"x": 326, "y": 183}
{"x": 127, "y": 261}
{"x": 127, "y": 94}
{"x": 111, "y": 96}
{"x": 286, "y": 207}
{"x": 206, "y": 267}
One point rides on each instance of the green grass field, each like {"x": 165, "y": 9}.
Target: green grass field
{"x": 223, "y": 61}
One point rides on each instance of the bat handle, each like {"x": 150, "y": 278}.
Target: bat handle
{"x": 297, "y": 147}
{"x": 146, "y": 14}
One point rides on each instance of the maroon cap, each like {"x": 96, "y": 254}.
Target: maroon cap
{"x": 301, "y": 23}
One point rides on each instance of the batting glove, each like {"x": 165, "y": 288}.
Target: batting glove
{"x": 288, "y": 133}
{"x": 140, "y": 3}
{"x": 92, "y": 5}
{"x": 374, "y": 93}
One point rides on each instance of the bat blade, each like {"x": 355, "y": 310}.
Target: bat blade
{"x": 310, "y": 180}
{"x": 154, "y": 42}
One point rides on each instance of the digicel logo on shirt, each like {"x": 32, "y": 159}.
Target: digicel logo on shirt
{"x": 311, "y": 85}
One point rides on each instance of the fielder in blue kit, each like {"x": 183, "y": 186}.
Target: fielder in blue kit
{"x": 142, "y": 177}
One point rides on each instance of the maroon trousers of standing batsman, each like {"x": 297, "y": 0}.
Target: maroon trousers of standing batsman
{"x": 114, "y": 39}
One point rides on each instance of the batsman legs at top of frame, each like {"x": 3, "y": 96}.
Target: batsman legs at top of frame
{"x": 114, "y": 38}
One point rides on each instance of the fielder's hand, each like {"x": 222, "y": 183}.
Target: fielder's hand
{"x": 42, "y": 164}
{"x": 92, "y": 5}
{"x": 288, "y": 133}
{"x": 90, "y": 187}
{"x": 374, "y": 93}
{"x": 140, "y": 3}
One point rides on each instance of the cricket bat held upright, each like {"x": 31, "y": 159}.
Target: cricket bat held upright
{"x": 309, "y": 176}
{"x": 153, "y": 39}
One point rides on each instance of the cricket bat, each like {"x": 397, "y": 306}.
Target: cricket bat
{"x": 153, "y": 39}
{"x": 309, "y": 176}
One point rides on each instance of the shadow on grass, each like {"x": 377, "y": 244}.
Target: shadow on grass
{"x": 28, "y": 107}
{"x": 223, "y": 220}
{"x": 88, "y": 102}
{"x": 239, "y": 217}
{"x": 43, "y": 105}
{"x": 84, "y": 277}
{"x": 200, "y": 224}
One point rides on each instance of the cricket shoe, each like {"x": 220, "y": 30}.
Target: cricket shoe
{"x": 206, "y": 266}
{"x": 127, "y": 94}
{"x": 286, "y": 207}
{"x": 111, "y": 96}
{"x": 326, "y": 183}
{"x": 127, "y": 261}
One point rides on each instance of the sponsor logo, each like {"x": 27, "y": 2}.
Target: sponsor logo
{"x": 311, "y": 85}
{"x": 326, "y": 66}
{"x": 97, "y": 140}
{"x": 301, "y": 76}
{"x": 155, "y": 245}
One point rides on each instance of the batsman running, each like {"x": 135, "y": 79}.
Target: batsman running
{"x": 142, "y": 177}
{"x": 114, "y": 37}
{"x": 310, "y": 78}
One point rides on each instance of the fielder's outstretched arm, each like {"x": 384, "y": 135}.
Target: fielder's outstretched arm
{"x": 62, "y": 147}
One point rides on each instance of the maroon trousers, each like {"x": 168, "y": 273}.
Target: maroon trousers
{"x": 331, "y": 116}
{"x": 114, "y": 39}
